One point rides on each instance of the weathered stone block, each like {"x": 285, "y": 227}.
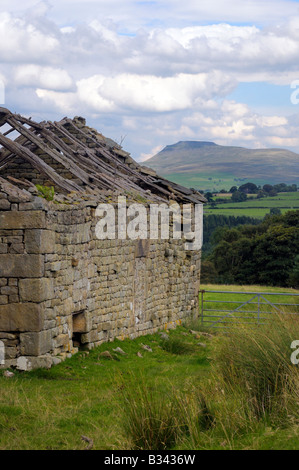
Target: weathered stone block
{"x": 22, "y": 219}
{"x": 3, "y": 248}
{"x": 30, "y": 362}
{"x": 62, "y": 340}
{"x": 35, "y": 343}
{"x": 21, "y": 317}
{"x": 81, "y": 323}
{"x": 11, "y": 352}
{"x": 40, "y": 241}
{"x": 8, "y": 336}
{"x": 15, "y": 194}
{"x": 17, "y": 248}
{"x": 90, "y": 337}
{"x": 4, "y": 204}
{"x": 3, "y": 299}
{"x": 9, "y": 290}
{"x": 38, "y": 204}
{"x": 36, "y": 290}
{"x": 21, "y": 265}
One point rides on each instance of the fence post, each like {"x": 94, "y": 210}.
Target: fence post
{"x": 202, "y": 300}
{"x": 2, "y": 353}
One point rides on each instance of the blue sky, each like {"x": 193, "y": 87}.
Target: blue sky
{"x": 263, "y": 95}
{"x": 151, "y": 73}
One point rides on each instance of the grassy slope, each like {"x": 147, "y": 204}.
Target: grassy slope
{"x": 213, "y": 167}
{"x": 52, "y": 409}
{"x": 214, "y": 181}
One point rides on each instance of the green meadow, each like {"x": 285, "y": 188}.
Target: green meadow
{"x": 256, "y": 208}
{"x": 175, "y": 389}
{"x": 206, "y": 182}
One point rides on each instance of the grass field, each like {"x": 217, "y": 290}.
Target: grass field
{"x": 205, "y": 182}
{"x": 256, "y": 208}
{"x": 103, "y": 399}
{"x": 52, "y": 409}
{"x": 247, "y": 306}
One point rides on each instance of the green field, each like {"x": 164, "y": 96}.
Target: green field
{"x": 102, "y": 399}
{"x": 245, "y": 307}
{"x": 256, "y": 208}
{"x": 205, "y": 182}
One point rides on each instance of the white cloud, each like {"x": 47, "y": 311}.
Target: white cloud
{"x": 133, "y": 14}
{"x": 146, "y": 93}
{"x": 258, "y": 11}
{"x": 43, "y": 77}
{"x": 23, "y": 42}
{"x": 89, "y": 93}
{"x": 161, "y": 94}
{"x": 65, "y": 102}
{"x": 235, "y": 124}
{"x": 272, "y": 121}
{"x": 166, "y": 80}
{"x": 221, "y": 35}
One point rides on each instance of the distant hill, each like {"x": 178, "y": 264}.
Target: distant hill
{"x": 208, "y": 166}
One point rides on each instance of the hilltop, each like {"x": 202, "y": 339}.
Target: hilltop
{"x": 210, "y": 166}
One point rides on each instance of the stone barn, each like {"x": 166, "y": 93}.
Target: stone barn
{"x": 61, "y": 286}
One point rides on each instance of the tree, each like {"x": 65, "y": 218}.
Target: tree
{"x": 267, "y": 188}
{"x": 267, "y": 253}
{"x": 275, "y": 211}
{"x": 208, "y": 273}
{"x": 248, "y": 188}
{"x": 260, "y": 194}
{"x": 239, "y": 196}
{"x": 294, "y": 274}
{"x": 209, "y": 196}
{"x": 274, "y": 254}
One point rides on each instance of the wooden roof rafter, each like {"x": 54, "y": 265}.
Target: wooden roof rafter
{"x": 95, "y": 164}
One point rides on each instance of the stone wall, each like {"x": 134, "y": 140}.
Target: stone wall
{"x": 20, "y": 169}
{"x": 61, "y": 288}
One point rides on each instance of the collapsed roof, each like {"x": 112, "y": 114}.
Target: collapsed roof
{"x": 93, "y": 164}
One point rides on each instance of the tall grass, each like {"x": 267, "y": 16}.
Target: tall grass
{"x": 157, "y": 420}
{"x": 253, "y": 385}
{"x": 257, "y": 362}
{"x": 151, "y": 418}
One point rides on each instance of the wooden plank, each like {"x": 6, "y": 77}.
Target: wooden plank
{"x": 39, "y": 164}
{"x": 98, "y": 168}
{"x": 67, "y": 163}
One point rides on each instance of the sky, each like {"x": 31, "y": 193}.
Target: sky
{"x": 151, "y": 73}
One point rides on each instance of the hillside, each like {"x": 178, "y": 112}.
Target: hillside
{"x": 208, "y": 166}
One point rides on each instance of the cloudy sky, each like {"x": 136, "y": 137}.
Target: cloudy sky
{"x": 150, "y": 73}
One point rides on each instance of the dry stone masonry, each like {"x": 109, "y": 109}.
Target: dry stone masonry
{"x": 61, "y": 288}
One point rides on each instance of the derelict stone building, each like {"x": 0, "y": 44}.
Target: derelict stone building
{"x": 60, "y": 285}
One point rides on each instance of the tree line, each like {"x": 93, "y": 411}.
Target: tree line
{"x": 266, "y": 253}
{"x": 241, "y": 193}
{"x": 212, "y": 221}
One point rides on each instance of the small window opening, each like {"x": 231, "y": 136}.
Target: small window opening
{"x": 79, "y": 327}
